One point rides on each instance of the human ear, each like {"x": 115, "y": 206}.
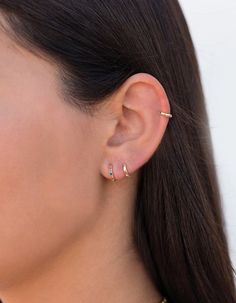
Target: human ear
{"x": 139, "y": 126}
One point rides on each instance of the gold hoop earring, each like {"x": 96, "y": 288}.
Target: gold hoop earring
{"x": 166, "y": 114}
{"x": 124, "y": 167}
{"x": 111, "y": 173}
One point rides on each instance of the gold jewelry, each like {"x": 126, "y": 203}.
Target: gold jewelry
{"x": 111, "y": 173}
{"x": 166, "y": 115}
{"x": 163, "y": 300}
{"x": 124, "y": 167}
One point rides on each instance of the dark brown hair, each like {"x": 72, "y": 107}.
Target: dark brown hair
{"x": 179, "y": 228}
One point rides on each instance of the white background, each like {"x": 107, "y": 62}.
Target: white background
{"x": 212, "y": 24}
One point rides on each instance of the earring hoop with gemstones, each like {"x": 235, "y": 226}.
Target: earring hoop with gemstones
{"x": 111, "y": 173}
{"x": 125, "y": 169}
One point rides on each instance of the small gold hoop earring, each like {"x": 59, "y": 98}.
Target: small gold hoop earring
{"x": 111, "y": 173}
{"x": 166, "y": 114}
{"x": 124, "y": 167}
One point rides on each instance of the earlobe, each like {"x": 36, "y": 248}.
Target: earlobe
{"x": 143, "y": 117}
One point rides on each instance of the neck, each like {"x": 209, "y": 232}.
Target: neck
{"x": 102, "y": 266}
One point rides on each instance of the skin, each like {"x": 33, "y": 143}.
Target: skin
{"x": 65, "y": 228}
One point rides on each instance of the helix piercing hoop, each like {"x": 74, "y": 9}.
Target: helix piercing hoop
{"x": 124, "y": 167}
{"x": 111, "y": 173}
{"x": 166, "y": 114}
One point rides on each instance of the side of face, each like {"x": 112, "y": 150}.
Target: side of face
{"x": 47, "y": 155}
{"x": 52, "y": 157}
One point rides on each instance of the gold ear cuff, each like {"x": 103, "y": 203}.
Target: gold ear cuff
{"x": 166, "y": 114}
